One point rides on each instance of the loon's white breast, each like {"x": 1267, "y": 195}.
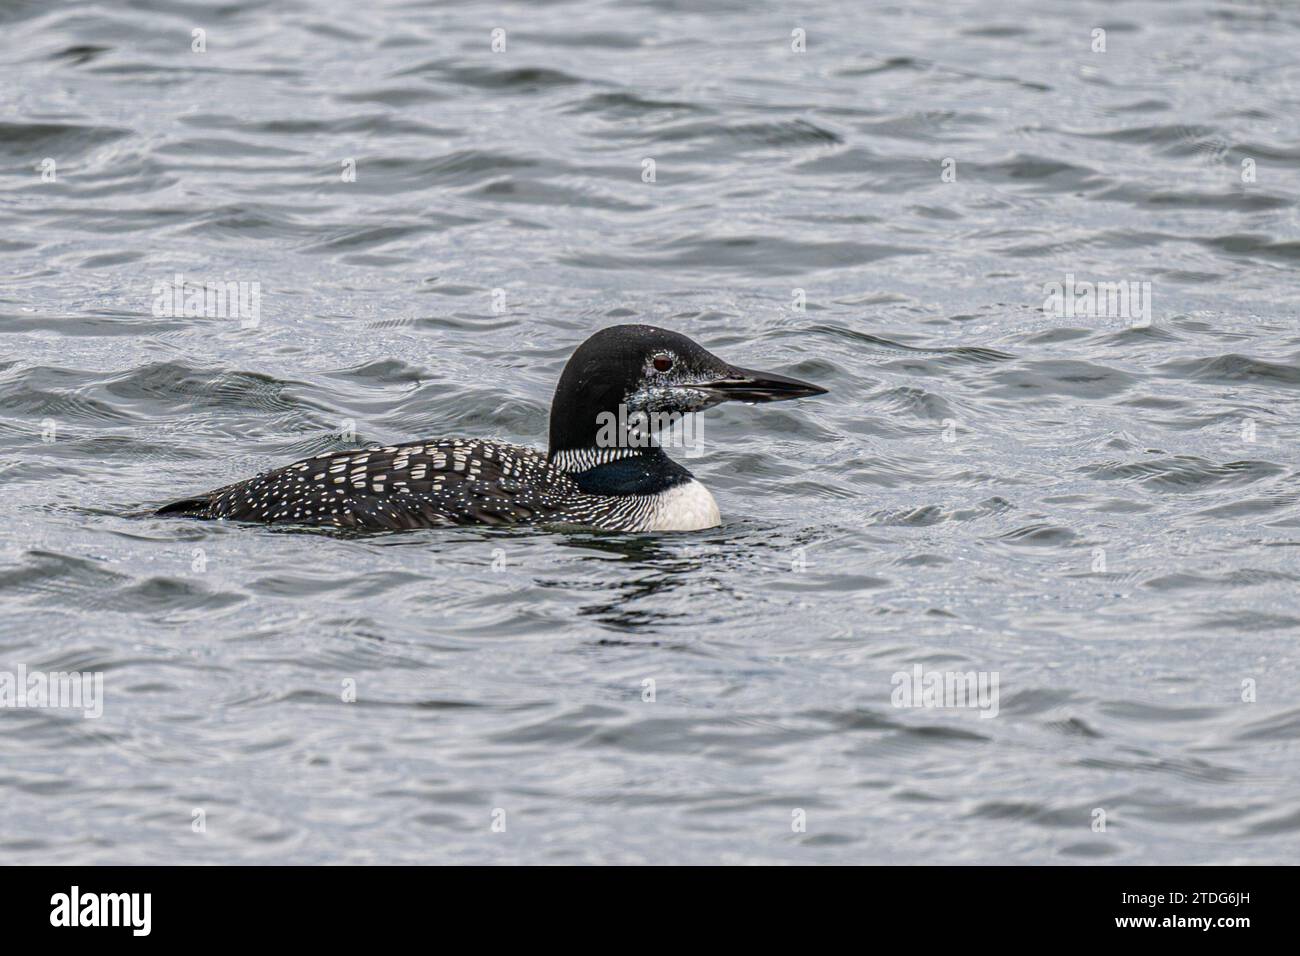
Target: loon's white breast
{"x": 685, "y": 507}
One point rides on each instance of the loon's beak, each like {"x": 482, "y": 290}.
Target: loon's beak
{"x": 747, "y": 385}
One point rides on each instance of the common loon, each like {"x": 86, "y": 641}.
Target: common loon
{"x": 593, "y": 476}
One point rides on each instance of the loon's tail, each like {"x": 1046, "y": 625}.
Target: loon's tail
{"x": 186, "y": 507}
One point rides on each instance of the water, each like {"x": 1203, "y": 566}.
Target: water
{"x": 1097, "y": 510}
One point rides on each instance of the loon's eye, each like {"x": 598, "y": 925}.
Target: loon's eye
{"x": 663, "y": 363}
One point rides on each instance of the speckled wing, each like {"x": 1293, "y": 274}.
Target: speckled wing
{"x": 425, "y": 484}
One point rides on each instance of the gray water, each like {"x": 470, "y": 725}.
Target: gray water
{"x": 1099, "y": 511}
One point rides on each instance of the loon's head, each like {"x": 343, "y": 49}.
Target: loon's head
{"x": 647, "y": 371}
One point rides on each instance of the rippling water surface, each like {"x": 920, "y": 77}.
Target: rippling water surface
{"x": 1098, "y": 510}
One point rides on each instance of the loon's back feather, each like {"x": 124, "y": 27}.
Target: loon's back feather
{"x": 423, "y": 484}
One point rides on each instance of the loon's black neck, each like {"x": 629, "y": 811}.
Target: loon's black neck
{"x": 591, "y": 393}
{"x": 639, "y": 471}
